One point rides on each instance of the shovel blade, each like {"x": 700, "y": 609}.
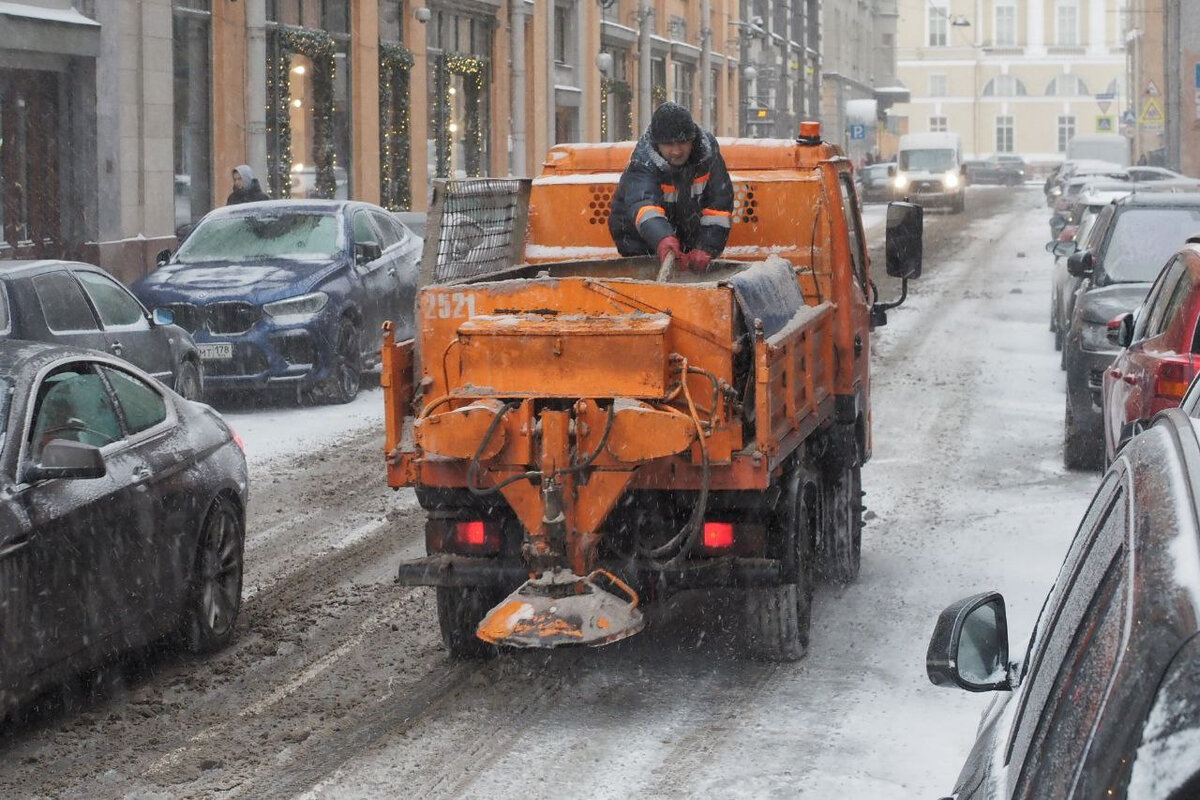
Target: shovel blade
{"x": 562, "y": 608}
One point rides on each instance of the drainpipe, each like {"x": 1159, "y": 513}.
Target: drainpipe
{"x": 644, "y": 102}
{"x": 256, "y": 86}
{"x": 706, "y": 89}
{"x": 517, "y": 164}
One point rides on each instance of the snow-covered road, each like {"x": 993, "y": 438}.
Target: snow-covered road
{"x": 338, "y": 686}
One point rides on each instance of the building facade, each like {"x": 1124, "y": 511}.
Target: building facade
{"x": 122, "y": 120}
{"x": 1012, "y": 76}
{"x": 1163, "y": 75}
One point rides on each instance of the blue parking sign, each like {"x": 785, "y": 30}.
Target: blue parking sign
{"x": 858, "y": 131}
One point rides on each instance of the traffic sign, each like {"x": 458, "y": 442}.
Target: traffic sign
{"x": 858, "y": 131}
{"x": 1127, "y": 117}
{"x": 1104, "y": 100}
{"x": 1104, "y": 124}
{"x": 1151, "y": 113}
{"x": 1151, "y": 88}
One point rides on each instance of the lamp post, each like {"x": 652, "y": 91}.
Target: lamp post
{"x": 959, "y": 21}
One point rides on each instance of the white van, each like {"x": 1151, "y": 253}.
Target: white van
{"x": 929, "y": 170}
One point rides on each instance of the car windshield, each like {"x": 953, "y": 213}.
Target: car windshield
{"x": 1144, "y": 238}
{"x": 930, "y": 160}
{"x": 298, "y": 235}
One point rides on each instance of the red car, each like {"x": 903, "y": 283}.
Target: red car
{"x": 1161, "y": 350}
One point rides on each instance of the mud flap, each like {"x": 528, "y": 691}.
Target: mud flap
{"x": 559, "y": 607}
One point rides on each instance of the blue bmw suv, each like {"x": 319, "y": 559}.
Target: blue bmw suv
{"x": 290, "y": 293}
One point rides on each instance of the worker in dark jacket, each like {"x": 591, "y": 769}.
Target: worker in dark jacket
{"x": 675, "y": 197}
{"x": 246, "y": 188}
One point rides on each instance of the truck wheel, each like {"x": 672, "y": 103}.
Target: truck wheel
{"x": 460, "y": 608}
{"x": 840, "y": 554}
{"x": 778, "y": 617}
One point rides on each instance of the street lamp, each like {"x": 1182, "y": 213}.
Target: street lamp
{"x": 959, "y": 21}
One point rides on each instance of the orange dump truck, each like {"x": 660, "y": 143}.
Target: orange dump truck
{"x": 588, "y": 435}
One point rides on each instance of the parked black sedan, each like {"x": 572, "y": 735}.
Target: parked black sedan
{"x": 290, "y": 293}
{"x": 81, "y": 305}
{"x": 122, "y": 516}
{"x": 1106, "y": 701}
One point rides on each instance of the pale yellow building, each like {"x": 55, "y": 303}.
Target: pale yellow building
{"x": 1012, "y": 76}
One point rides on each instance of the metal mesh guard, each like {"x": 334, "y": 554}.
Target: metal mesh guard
{"x": 476, "y": 233}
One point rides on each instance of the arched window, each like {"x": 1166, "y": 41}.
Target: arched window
{"x": 1067, "y": 86}
{"x": 1004, "y": 86}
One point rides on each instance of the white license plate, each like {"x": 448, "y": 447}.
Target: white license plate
{"x": 216, "y": 352}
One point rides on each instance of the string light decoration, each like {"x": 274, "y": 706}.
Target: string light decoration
{"x": 473, "y": 70}
{"x": 658, "y": 95}
{"x": 318, "y": 47}
{"x": 610, "y": 89}
{"x": 395, "y": 126}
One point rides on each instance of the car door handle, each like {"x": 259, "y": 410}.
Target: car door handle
{"x": 392, "y": 271}
{"x": 116, "y": 348}
{"x": 142, "y": 474}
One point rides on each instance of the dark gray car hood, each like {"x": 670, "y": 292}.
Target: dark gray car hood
{"x": 1099, "y": 304}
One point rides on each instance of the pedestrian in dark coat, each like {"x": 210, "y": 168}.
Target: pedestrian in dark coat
{"x": 675, "y": 196}
{"x": 245, "y": 187}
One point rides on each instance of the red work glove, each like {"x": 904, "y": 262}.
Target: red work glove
{"x": 670, "y": 244}
{"x": 697, "y": 260}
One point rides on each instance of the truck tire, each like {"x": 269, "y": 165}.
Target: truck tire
{"x": 460, "y": 608}
{"x": 840, "y": 553}
{"x": 778, "y": 617}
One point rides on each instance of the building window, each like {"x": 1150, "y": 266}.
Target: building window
{"x": 1006, "y": 25}
{"x": 684, "y": 74}
{"x": 391, "y": 21}
{"x": 939, "y": 25}
{"x": 938, "y": 125}
{"x": 658, "y": 81}
{"x": 328, "y": 15}
{"x": 938, "y": 85}
{"x": 1067, "y": 86}
{"x": 1004, "y": 134}
{"x": 1066, "y": 18}
{"x": 192, "y": 117}
{"x": 564, "y": 32}
{"x": 1066, "y": 131}
{"x": 1004, "y": 86}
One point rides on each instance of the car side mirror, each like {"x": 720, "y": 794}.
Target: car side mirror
{"x": 62, "y": 458}
{"x": 891, "y": 170}
{"x": 163, "y": 316}
{"x": 962, "y": 168}
{"x": 969, "y": 645}
{"x": 1080, "y": 264}
{"x": 1063, "y": 248}
{"x": 162, "y": 258}
{"x": 903, "y": 244}
{"x": 366, "y": 252}
{"x": 1057, "y": 223}
{"x": 1120, "y": 330}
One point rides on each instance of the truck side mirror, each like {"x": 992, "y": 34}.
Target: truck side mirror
{"x": 1079, "y": 264}
{"x": 903, "y": 247}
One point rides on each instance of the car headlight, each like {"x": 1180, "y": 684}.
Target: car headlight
{"x": 951, "y": 180}
{"x": 1094, "y": 337}
{"x": 306, "y": 305}
{"x": 900, "y": 182}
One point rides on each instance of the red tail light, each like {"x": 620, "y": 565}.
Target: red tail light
{"x": 718, "y": 535}
{"x": 472, "y": 534}
{"x": 1171, "y": 379}
{"x": 237, "y": 439}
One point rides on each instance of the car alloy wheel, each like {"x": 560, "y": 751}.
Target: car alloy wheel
{"x": 188, "y": 383}
{"x": 216, "y": 596}
{"x": 346, "y": 375}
